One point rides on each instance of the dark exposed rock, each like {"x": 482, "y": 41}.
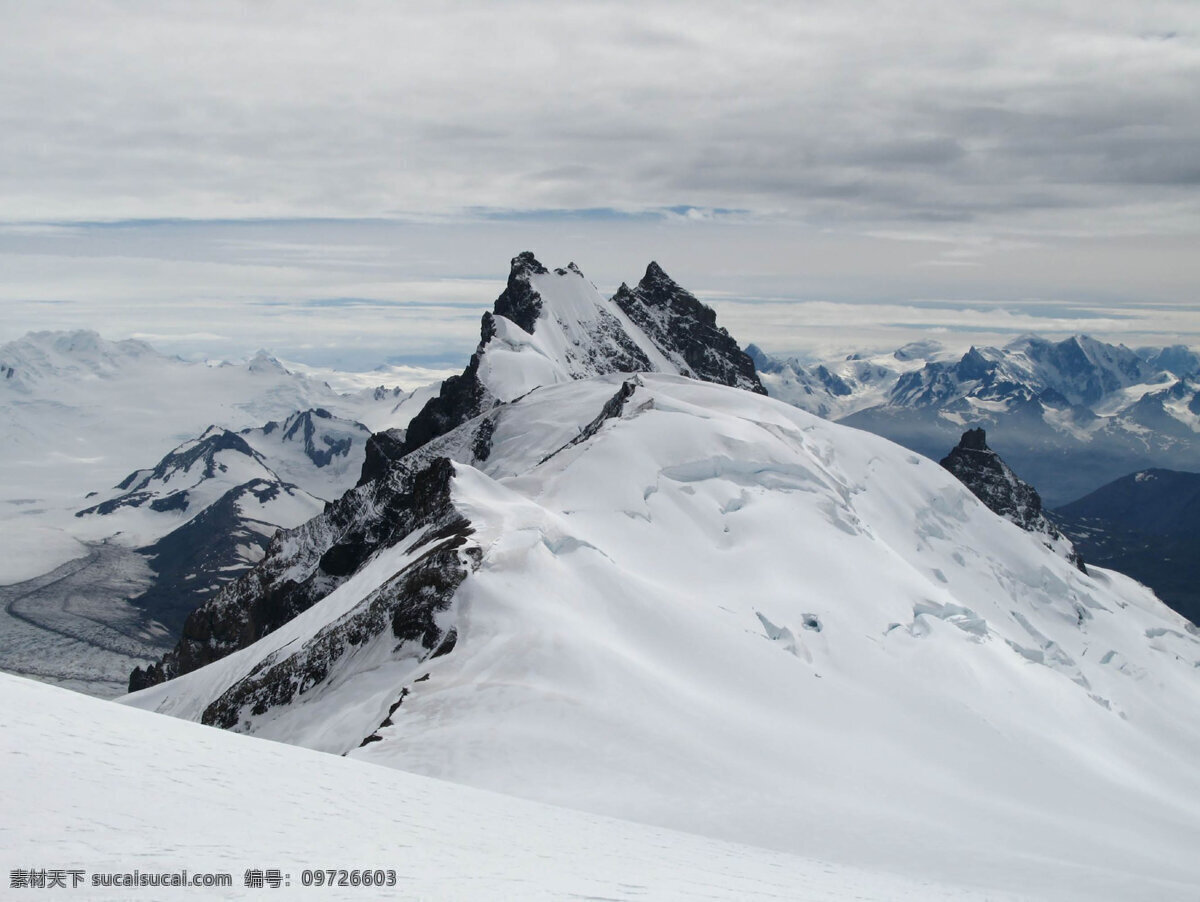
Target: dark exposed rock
{"x": 299, "y": 569}
{"x": 686, "y": 330}
{"x": 481, "y": 447}
{"x": 461, "y": 398}
{"x": 612, "y": 408}
{"x": 152, "y": 675}
{"x": 991, "y": 480}
{"x": 176, "y": 501}
{"x": 411, "y": 598}
{"x": 519, "y": 302}
{"x": 382, "y": 450}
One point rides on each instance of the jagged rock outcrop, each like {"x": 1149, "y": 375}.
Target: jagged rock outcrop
{"x": 687, "y": 331}
{"x": 304, "y": 565}
{"x": 994, "y": 483}
{"x": 461, "y": 398}
{"x": 566, "y": 330}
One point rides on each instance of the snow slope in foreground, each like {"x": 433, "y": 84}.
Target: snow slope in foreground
{"x": 96, "y": 786}
{"x": 718, "y": 613}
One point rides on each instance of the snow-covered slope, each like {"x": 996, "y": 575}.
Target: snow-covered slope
{"x": 692, "y": 606}
{"x": 94, "y": 787}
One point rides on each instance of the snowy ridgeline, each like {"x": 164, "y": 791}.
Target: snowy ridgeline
{"x": 98, "y": 788}
{"x": 685, "y": 604}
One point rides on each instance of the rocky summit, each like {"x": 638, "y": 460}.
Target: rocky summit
{"x": 994, "y": 483}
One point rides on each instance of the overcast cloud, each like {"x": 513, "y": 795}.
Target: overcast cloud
{"x": 894, "y": 153}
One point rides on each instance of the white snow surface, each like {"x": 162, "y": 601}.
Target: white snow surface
{"x": 724, "y": 615}
{"x": 105, "y": 789}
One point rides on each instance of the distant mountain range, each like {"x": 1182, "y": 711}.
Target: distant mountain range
{"x": 1069, "y": 416}
{"x": 207, "y": 510}
{"x": 122, "y": 507}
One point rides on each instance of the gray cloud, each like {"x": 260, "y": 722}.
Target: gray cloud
{"x": 820, "y": 111}
{"x": 258, "y": 154}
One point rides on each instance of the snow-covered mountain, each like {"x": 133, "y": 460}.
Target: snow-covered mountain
{"x": 684, "y": 603}
{"x": 81, "y": 413}
{"x": 1069, "y": 415}
{"x": 206, "y": 511}
{"x": 550, "y": 327}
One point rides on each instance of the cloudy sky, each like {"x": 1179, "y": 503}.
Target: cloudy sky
{"x": 345, "y": 183}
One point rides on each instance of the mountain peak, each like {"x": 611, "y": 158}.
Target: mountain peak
{"x": 655, "y": 273}
{"x": 565, "y": 330}
{"x": 264, "y": 362}
{"x": 520, "y": 302}
{"x": 974, "y": 440}
{"x": 526, "y": 263}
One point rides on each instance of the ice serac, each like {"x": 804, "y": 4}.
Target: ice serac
{"x": 553, "y": 326}
{"x": 994, "y": 483}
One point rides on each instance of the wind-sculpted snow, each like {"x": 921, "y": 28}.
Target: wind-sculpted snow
{"x": 716, "y": 612}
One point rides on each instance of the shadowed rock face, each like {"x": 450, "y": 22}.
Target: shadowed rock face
{"x": 994, "y": 483}
{"x": 685, "y": 329}
{"x": 461, "y": 398}
{"x": 304, "y": 565}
